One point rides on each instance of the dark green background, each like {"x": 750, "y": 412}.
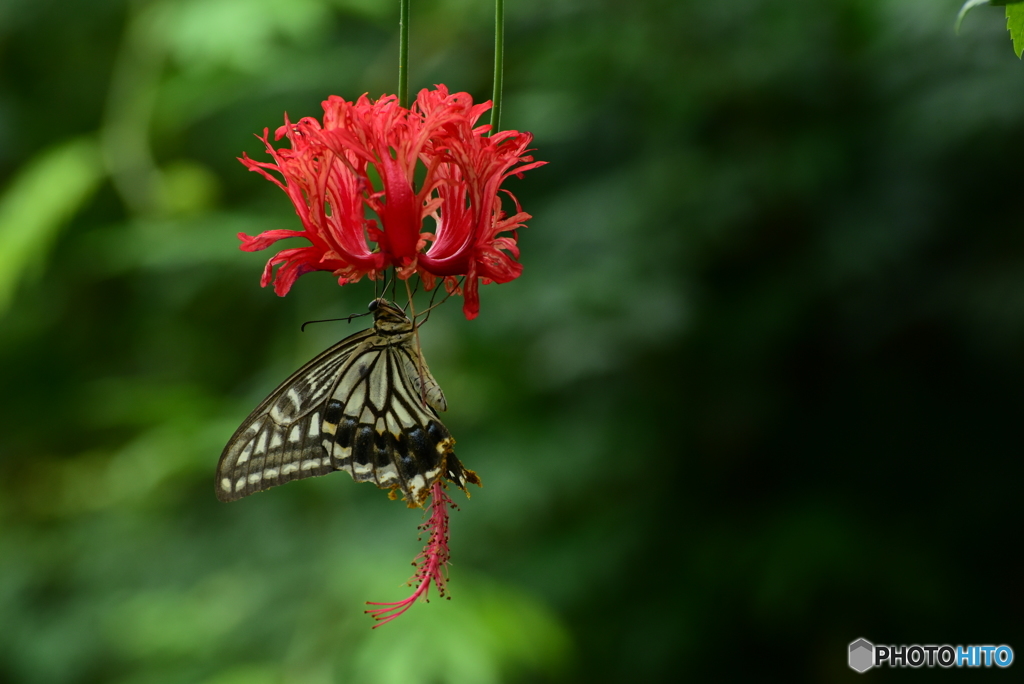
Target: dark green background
{"x": 757, "y": 393}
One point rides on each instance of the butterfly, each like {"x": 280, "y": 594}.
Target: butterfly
{"x": 368, "y": 406}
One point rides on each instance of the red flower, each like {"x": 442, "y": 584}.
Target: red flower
{"x": 431, "y": 564}
{"x": 365, "y": 180}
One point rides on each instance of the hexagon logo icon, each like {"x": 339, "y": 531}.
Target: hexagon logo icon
{"x": 862, "y": 655}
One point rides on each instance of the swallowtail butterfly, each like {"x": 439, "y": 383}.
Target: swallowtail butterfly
{"x": 368, "y": 406}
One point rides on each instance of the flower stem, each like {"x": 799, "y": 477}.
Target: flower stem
{"x": 419, "y": 351}
{"x": 499, "y": 61}
{"x": 403, "y": 52}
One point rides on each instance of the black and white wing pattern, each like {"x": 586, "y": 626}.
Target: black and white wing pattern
{"x": 368, "y": 406}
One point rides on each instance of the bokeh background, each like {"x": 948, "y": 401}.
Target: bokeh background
{"x": 757, "y": 393}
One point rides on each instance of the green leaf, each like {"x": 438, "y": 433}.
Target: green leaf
{"x": 44, "y": 195}
{"x": 1014, "y": 19}
{"x": 1015, "y": 25}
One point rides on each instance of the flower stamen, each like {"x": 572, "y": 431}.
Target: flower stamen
{"x": 431, "y": 563}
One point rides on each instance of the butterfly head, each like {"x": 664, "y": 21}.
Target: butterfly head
{"x": 388, "y": 318}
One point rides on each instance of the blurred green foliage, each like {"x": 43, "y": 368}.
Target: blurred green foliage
{"x": 755, "y": 396}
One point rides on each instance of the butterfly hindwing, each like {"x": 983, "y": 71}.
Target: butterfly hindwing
{"x": 378, "y": 430}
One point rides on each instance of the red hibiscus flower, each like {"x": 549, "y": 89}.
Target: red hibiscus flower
{"x": 364, "y": 182}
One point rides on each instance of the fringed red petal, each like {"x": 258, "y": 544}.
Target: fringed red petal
{"x": 329, "y": 173}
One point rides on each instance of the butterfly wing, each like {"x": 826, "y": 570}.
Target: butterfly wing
{"x": 280, "y": 440}
{"x": 368, "y": 406}
{"x": 378, "y": 428}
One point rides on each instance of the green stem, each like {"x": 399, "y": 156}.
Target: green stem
{"x": 403, "y": 53}
{"x": 499, "y": 59}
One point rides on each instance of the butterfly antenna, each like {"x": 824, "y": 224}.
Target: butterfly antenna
{"x": 329, "y": 320}
{"x": 389, "y": 280}
{"x": 410, "y": 295}
{"x": 433, "y": 295}
{"x": 433, "y": 305}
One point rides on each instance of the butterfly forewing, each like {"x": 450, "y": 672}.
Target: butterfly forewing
{"x": 280, "y": 440}
{"x": 364, "y": 406}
